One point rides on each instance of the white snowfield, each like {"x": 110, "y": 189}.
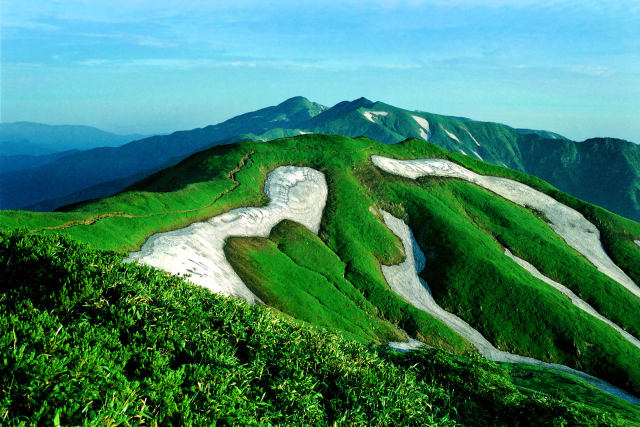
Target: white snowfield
{"x": 369, "y": 115}
{"x": 570, "y": 224}
{"x": 477, "y": 155}
{"x": 637, "y": 242}
{"x": 474, "y": 140}
{"x": 425, "y": 133}
{"x": 451, "y": 135}
{"x": 296, "y": 193}
{"x": 304, "y": 133}
{"x": 576, "y": 300}
{"x": 404, "y": 280}
{"x": 410, "y": 344}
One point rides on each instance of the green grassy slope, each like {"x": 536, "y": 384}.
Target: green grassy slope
{"x": 470, "y": 276}
{"x": 87, "y": 168}
{"x": 459, "y": 225}
{"x": 295, "y": 272}
{"x": 604, "y": 171}
{"x": 89, "y": 340}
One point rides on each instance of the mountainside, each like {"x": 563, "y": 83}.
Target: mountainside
{"x": 603, "y": 171}
{"x": 210, "y": 359}
{"x": 25, "y": 161}
{"x": 35, "y": 139}
{"x": 79, "y": 171}
{"x": 402, "y": 244}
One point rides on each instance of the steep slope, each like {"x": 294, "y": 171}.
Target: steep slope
{"x": 101, "y": 342}
{"x": 604, "y": 171}
{"x": 85, "y": 169}
{"x": 462, "y": 228}
{"x": 35, "y": 139}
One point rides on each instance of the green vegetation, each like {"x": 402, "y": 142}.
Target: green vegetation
{"x": 89, "y": 340}
{"x": 470, "y": 276}
{"x": 334, "y": 279}
{"x": 532, "y": 379}
{"x": 296, "y": 273}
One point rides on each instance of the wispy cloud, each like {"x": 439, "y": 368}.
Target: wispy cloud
{"x": 165, "y": 63}
{"x": 592, "y": 70}
{"x": 138, "y": 39}
{"x": 278, "y": 63}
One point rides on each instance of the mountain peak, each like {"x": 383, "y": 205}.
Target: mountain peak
{"x": 363, "y": 102}
{"x": 296, "y": 100}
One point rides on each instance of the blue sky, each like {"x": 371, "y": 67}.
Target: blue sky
{"x": 156, "y": 66}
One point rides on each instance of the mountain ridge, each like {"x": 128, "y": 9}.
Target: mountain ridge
{"x": 32, "y": 138}
{"x": 542, "y": 153}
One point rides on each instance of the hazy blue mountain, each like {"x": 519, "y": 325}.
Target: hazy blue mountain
{"x": 25, "y": 161}
{"x": 543, "y": 133}
{"x": 88, "y": 168}
{"x": 28, "y": 138}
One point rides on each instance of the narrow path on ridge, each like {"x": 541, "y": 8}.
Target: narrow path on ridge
{"x": 89, "y": 221}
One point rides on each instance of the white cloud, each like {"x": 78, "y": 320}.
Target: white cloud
{"x": 592, "y": 70}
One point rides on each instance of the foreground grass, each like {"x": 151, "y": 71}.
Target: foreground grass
{"x": 86, "y": 339}
{"x": 532, "y": 380}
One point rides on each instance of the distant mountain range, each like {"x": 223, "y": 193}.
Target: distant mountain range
{"x": 604, "y": 171}
{"x": 35, "y": 139}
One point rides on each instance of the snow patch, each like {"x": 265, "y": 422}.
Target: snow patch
{"x": 637, "y": 242}
{"x": 304, "y": 133}
{"x": 477, "y": 155}
{"x": 369, "y": 115}
{"x": 405, "y": 346}
{"x": 296, "y": 193}
{"x": 570, "y": 224}
{"x": 463, "y": 152}
{"x": 474, "y": 140}
{"x": 576, "y": 300}
{"x": 452, "y": 136}
{"x": 422, "y": 122}
{"x": 424, "y": 127}
{"x": 404, "y": 280}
